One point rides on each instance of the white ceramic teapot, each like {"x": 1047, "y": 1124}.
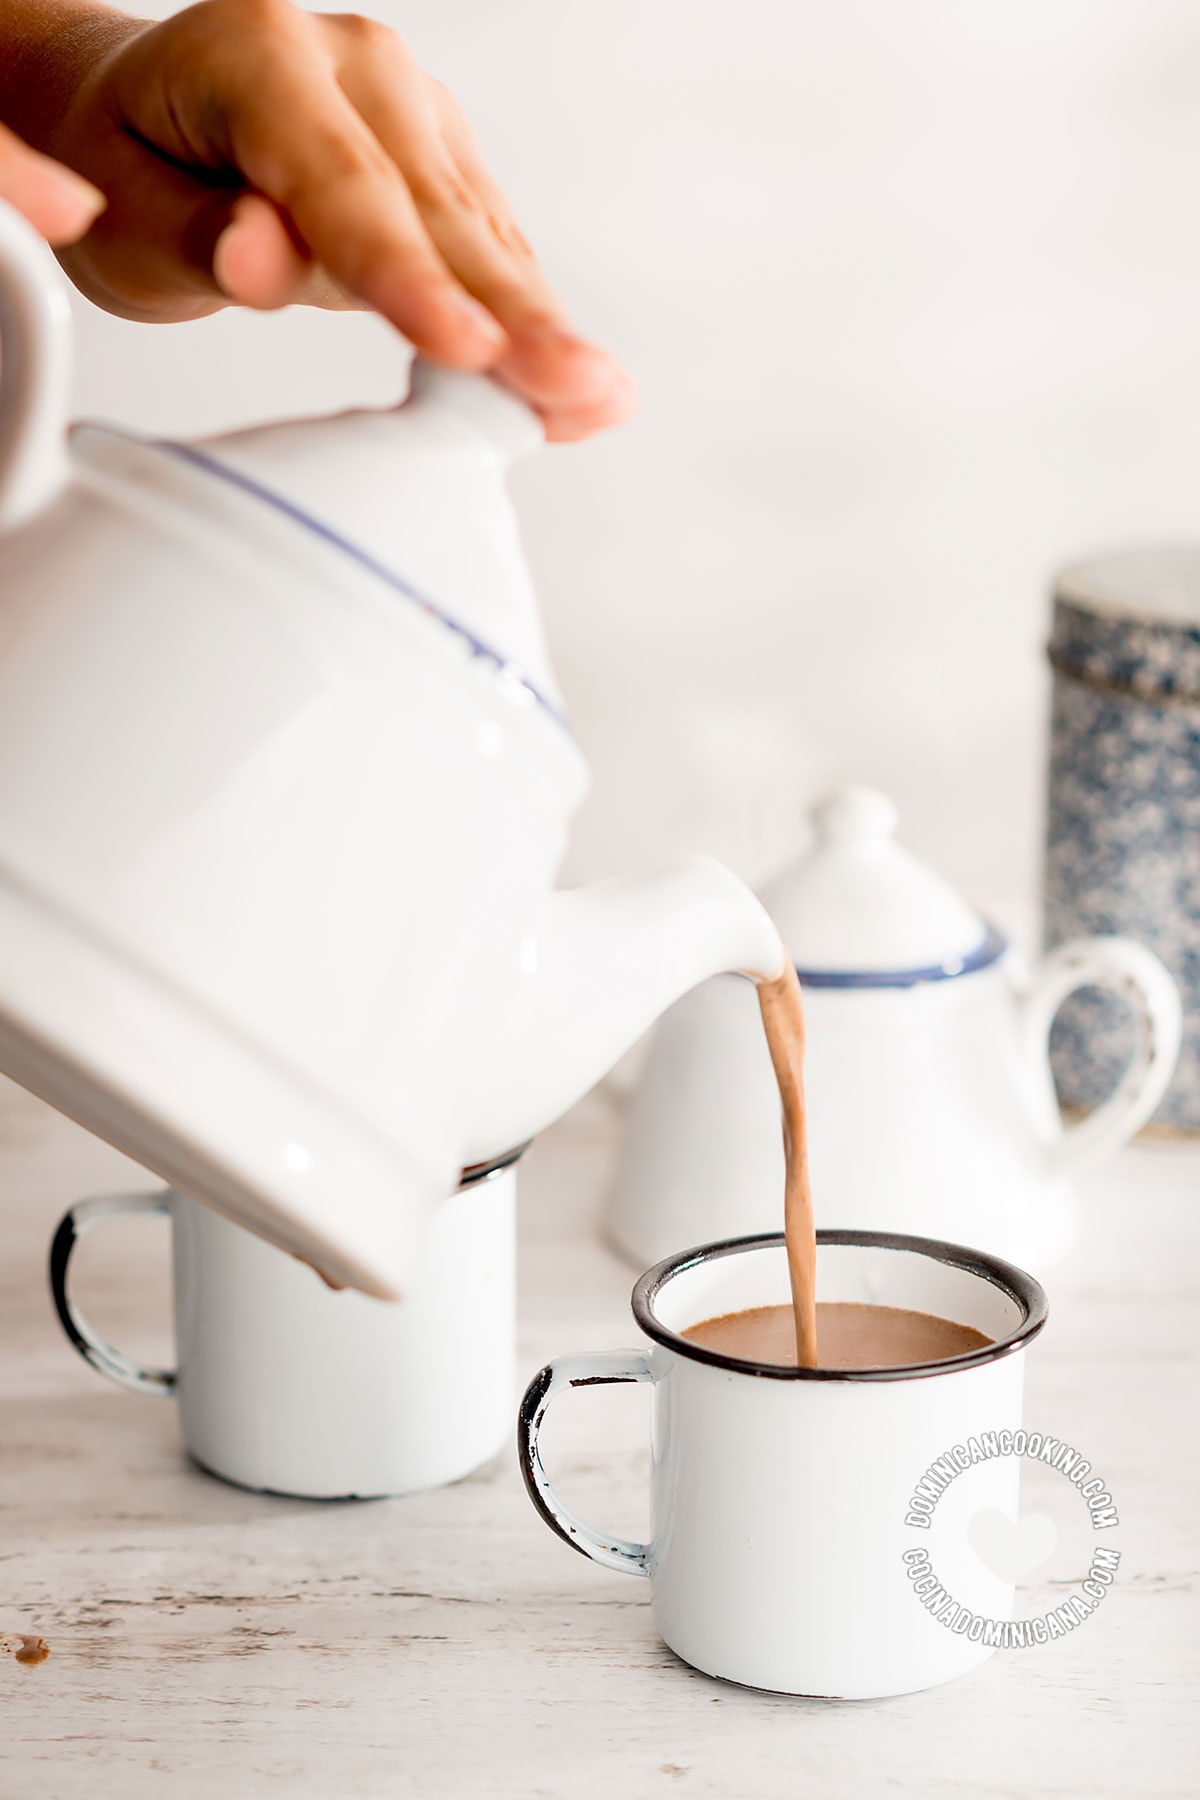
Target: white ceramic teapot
{"x": 284, "y": 784}
{"x": 930, "y": 1101}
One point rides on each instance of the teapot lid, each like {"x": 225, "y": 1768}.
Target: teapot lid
{"x": 858, "y": 910}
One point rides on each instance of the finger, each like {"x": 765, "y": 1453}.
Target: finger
{"x": 258, "y": 263}
{"x": 59, "y": 203}
{"x": 463, "y": 146}
{"x": 298, "y": 140}
{"x": 472, "y": 242}
{"x": 556, "y": 370}
{"x": 470, "y": 221}
{"x": 569, "y": 425}
{"x": 549, "y": 363}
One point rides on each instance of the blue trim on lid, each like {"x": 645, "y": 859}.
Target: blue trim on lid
{"x": 212, "y": 466}
{"x": 982, "y": 957}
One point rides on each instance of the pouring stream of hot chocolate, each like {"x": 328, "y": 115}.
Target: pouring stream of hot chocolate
{"x": 783, "y": 1021}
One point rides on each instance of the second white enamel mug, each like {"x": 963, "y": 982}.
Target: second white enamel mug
{"x": 284, "y": 1385}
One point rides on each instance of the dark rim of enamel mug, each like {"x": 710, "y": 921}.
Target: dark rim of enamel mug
{"x": 1028, "y": 1294}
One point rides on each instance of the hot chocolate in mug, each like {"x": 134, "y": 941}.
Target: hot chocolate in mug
{"x": 284, "y": 1385}
{"x": 779, "y": 1496}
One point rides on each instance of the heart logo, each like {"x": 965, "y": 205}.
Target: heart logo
{"x": 1011, "y": 1548}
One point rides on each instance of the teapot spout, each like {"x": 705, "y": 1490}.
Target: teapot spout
{"x": 605, "y": 962}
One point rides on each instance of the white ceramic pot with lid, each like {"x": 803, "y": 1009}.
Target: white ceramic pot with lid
{"x": 285, "y": 781}
{"x": 930, "y": 1101}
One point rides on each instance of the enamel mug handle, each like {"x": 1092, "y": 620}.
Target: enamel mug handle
{"x": 1134, "y": 972}
{"x": 74, "y": 1222}
{"x": 594, "y": 1370}
{"x": 35, "y": 371}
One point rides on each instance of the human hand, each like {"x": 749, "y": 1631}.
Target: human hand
{"x": 55, "y": 200}
{"x": 256, "y": 153}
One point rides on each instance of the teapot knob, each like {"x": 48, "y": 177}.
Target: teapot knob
{"x": 479, "y": 403}
{"x": 856, "y": 816}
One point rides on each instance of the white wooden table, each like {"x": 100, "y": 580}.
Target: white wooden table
{"x": 207, "y": 1641}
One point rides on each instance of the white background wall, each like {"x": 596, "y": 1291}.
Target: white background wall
{"x": 913, "y": 293}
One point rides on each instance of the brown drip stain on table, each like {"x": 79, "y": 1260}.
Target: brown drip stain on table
{"x": 29, "y": 1651}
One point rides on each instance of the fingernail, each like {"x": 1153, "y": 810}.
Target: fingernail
{"x": 220, "y": 260}
{"x": 550, "y": 331}
{"x": 590, "y": 371}
{"x": 623, "y": 397}
{"x": 78, "y": 187}
{"x": 478, "y": 317}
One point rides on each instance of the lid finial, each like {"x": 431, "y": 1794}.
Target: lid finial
{"x": 855, "y": 815}
{"x": 859, "y": 904}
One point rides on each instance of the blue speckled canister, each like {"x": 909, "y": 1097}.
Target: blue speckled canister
{"x": 1123, "y": 830}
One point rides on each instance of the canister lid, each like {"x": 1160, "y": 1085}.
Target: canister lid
{"x": 1153, "y": 586}
{"x": 860, "y": 910}
{"x": 1128, "y": 624}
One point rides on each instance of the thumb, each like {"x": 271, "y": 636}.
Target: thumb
{"x": 59, "y": 203}
{"x": 258, "y": 263}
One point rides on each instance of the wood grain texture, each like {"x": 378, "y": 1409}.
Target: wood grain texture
{"x": 206, "y": 1641}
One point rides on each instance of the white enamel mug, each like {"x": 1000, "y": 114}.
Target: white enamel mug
{"x": 287, "y": 1386}
{"x": 779, "y": 1497}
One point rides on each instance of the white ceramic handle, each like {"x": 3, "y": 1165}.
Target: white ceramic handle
{"x": 1136, "y": 974}
{"x": 35, "y": 371}
{"x": 595, "y": 1370}
{"x": 71, "y": 1227}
